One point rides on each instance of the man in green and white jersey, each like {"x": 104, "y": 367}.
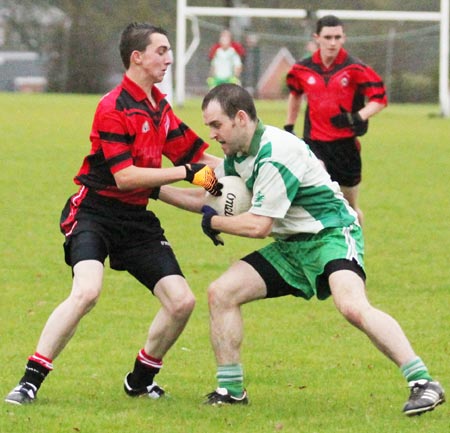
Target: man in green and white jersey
{"x": 289, "y": 184}
{"x": 317, "y": 251}
{"x": 300, "y": 202}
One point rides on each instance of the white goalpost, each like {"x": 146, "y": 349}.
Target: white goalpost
{"x": 185, "y": 13}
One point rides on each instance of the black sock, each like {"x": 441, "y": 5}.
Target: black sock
{"x": 141, "y": 375}
{"x": 35, "y": 373}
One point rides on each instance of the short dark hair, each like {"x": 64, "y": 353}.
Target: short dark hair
{"x": 328, "y": 21}
{"x": 231, "y": 98}
{"x": 136, "y": 37}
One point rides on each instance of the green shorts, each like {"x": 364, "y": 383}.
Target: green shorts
{"x": 214, "y": 81}
{"x": 301, "y": 259}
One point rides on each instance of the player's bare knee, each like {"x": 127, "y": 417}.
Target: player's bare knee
{"x": 218, "y": 295}
{"x": 188, "y": 305}
{"x": 182, "y": 307}
{"x": 354, "y": 317}
{"x": 354, "y": 313}
{"x": 85, "y": 299}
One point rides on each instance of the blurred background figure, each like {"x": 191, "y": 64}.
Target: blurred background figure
{"x": 240, "y": 49}
{"x": 310, "y": 47}
{"x": 342, "y": 94}
{"x": 226, "y": 62}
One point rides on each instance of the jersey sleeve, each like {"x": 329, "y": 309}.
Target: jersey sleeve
{"x": 293, "y": 81}
{"x": 114, "y": 140}
{"x": 182, "y": 145}
{"x": 212, "y": 51}
{"x": 272, "y": 193}
{"x": 276, "y": 185}
{"x": 372, "y": 86}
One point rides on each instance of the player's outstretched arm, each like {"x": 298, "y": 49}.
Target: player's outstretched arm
{"x": 190, "y": 199}
{"x": 199, "y": 174}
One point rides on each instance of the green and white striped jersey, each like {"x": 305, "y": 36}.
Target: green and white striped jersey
{"x": 289, "y": 184}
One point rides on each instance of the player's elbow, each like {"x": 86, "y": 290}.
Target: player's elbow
{"x": 123, "y": 184}
{"x": 125, "y": 180}
{"x": 259, "y": 234}
{"x": 261, "y": 228}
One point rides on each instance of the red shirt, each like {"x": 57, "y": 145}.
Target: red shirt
{"x": 346, "y": 83}
{"x": 236, "y": 45}
{"x": 128, "y": 130}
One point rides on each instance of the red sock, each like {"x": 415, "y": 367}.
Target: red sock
{"x": 42, "y": 360}
{"x": 148, "y": 360}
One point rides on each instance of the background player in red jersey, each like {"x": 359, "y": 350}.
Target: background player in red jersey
{"x": 134, "y": 126}
{"x": 226, "y": 61}
{"x": 235, "y": 44}
{"x": 342, "y": 94}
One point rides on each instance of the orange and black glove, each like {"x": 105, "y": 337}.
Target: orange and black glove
{"x": 203, "y": 175}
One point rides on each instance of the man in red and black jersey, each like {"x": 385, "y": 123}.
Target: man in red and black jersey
{"x": 342, "y": 94}
{"x": 133, "y": 127}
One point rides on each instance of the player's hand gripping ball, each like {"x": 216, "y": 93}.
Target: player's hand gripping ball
{"x": 236, "y": 198}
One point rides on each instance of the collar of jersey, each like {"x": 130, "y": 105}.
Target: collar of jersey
{"x": 137, "y": 92}
{"x": 256, "y": 139}
{"x": 340, "y": 58}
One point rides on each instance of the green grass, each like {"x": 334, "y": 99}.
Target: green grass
{"x": 306, "y": 369}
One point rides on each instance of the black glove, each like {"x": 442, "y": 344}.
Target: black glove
{"x": 154, "y": 195}
{"x": 289, "y": 128}
{"x": 203, "y": 175}
{"x": 350, "y": 120}
{"x": 208, "y": 213}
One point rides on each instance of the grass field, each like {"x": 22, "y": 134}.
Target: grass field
{"x": 306, "y": 369}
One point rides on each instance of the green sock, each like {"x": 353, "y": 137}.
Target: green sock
{"x": 415, "y": 370}
{"x": 231, "y": 377}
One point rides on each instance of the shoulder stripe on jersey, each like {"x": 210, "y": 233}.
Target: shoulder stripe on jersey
{"x": 379, "y": 96}
{"x": 177, "y": 132}
{"x": 372, "y": 84}
{"x": 126, "y": 102}
{"x": 308, "y": 62}
{"x": 354, "y": 61}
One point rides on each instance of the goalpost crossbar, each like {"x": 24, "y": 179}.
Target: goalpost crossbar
{"x": 185, "y": 12}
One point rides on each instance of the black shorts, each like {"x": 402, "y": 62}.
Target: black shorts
{"x": 277, "y": 286}
{"x": 131, "y": 236}
{"x": 342, "y": 159}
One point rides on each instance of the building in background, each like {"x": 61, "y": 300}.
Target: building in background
{"x": 26, "y": 46}
{"x": 21, "y": 71}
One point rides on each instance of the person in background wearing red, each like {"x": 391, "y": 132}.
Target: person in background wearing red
{"x": 342, "y": 94}
{"x": 235, "y": 44}
{"x": 226, "y": 62}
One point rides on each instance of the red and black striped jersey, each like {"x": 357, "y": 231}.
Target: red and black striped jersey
{"x": 346, "y": 84}
{"x": 128, "y": 130}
